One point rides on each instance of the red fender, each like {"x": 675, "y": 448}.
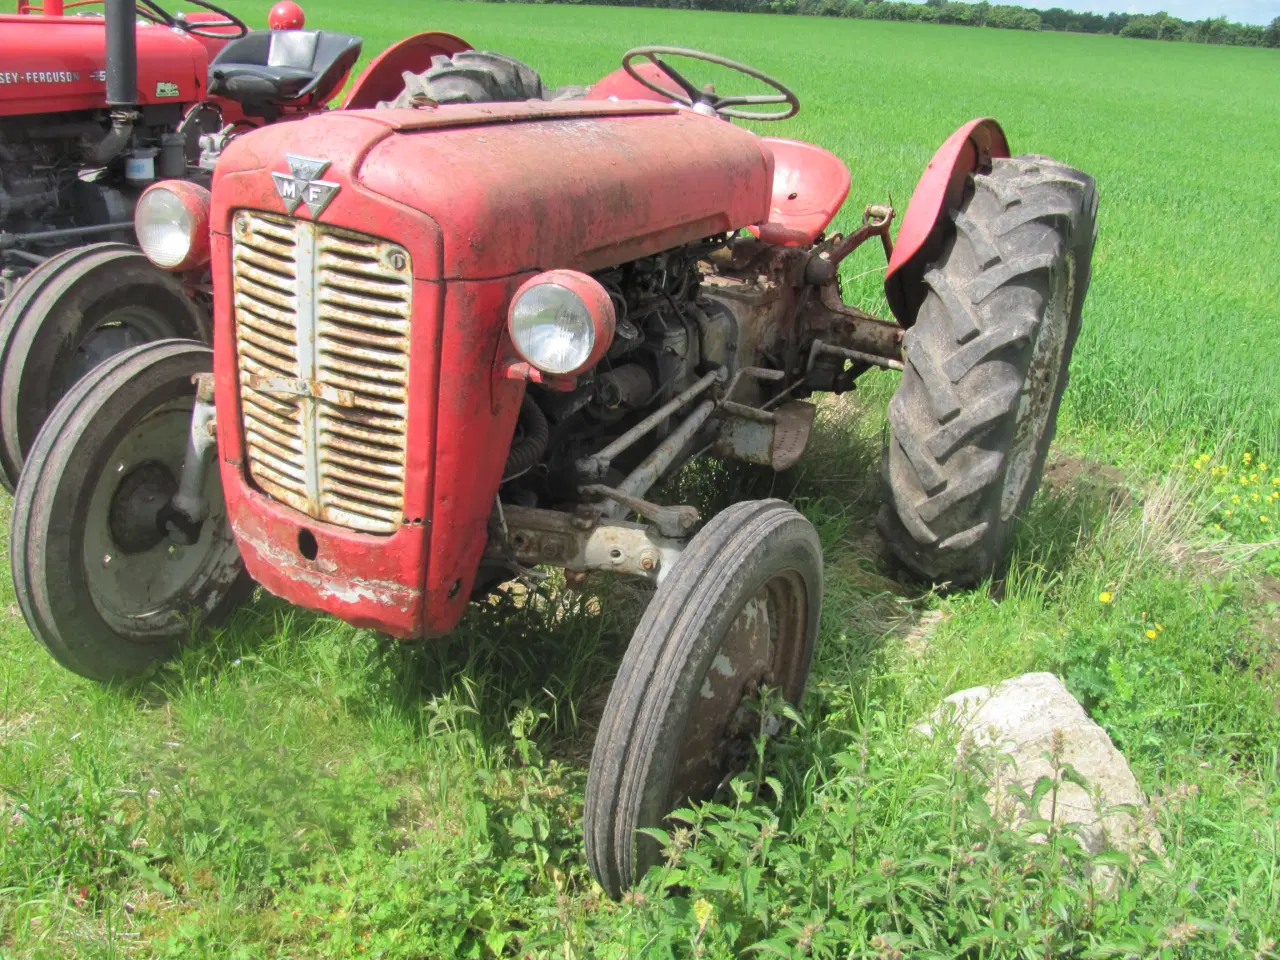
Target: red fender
{"x": 621, "y": 85}
{"x": 381, "y": 79}
{"x": 940, "y": 190}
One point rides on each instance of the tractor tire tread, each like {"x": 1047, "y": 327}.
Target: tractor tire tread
{"x": 697, "y": 591}
{"x": 472, "y": 76}
{"x": 950, "y": 425}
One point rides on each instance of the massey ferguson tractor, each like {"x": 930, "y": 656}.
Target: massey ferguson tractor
{"x": 455, "y": 341}
{"x": 93, "y": 110}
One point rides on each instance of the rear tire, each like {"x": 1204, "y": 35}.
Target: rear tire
{"x": 740, "y": 608}
{"x": 472, "y": 76}
{"x": 98, "y": 583}
{"x": 99, "y": 301}
{"x": 986, "y": 364}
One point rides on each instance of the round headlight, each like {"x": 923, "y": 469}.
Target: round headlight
{"x": 561, "y": 322}
{"x": 172, "y": 224}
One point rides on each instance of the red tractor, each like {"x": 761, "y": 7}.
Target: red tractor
{"x": 457, "y": 340}
{"x": 95, "y": 109}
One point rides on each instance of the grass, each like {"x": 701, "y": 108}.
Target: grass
{"x": 296, "y": 787}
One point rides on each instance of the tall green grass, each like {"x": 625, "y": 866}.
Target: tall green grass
{"x": 1183, "y": 321}
{"x": 296, "y": 787}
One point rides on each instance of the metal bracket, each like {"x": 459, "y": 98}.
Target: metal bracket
{"x": 184, "y": 515}
{"x": 670, "y": 521}
{"x": 581, "y": 544}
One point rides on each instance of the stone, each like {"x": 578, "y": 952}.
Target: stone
{"x": 1019, "y": 718}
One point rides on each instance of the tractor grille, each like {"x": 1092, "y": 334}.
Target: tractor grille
{"x": 322, "y": 336}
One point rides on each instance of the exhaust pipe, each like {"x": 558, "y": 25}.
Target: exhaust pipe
{"x": 122, "y": 77}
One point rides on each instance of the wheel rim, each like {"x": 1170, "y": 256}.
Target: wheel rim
{"x": 1035, "y": 403}
{"x": 140, "y": 580}
{"x": 120, "y": 329}
{"x": 764, "y": 645}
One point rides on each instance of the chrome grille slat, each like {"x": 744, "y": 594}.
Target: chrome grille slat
{"x": 317, "y": 303}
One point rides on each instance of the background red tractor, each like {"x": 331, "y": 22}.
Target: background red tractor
{"x": 442, "y": 358}
{"x": 96, "y": 108}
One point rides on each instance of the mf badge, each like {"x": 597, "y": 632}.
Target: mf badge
{"x": 301, "y": 186}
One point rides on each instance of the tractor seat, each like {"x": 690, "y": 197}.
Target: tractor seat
{"x": 274, "y": 66}
{"x": 809, "y": 186}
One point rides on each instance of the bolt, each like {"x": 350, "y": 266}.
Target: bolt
{"x": 119, "y": 468}
{"x": 241, "y": 224}
{"x": 646, "y": 563}
{"x": 397, "y": 259}
{"x": 106, "y": 559}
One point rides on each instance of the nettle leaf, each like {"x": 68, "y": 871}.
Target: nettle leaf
{"x": 1071, "y": 775}
{"x": 1041, "y": 790}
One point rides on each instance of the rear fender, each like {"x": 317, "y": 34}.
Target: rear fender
{"x": 939, "y": 192}
{"x": 620, "y": 85}
{"x": 382, "y": 78}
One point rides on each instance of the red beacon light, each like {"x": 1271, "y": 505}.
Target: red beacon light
{"x": 286, "y": 15}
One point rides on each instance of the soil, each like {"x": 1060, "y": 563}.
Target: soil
{"x": 1088, "y": 476}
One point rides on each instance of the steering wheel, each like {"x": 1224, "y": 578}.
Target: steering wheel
{"x": 150, "y": 10}
{"x": 707, "y": 98}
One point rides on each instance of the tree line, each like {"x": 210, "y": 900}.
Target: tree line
{"x": 1155, "y": 26}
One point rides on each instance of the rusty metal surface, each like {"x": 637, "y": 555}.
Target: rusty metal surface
{"x": 676, "y": 521}
{"x": 322, "y": 321}
{"x": 791, "y": 433}
{"x": 833, "y": 321}
{"x": 639, "y": 480}
{"x": 535, "y": 536}
{"x": 597, "y": 465}
{"x": 774, "y": 439}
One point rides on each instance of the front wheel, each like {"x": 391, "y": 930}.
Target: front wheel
{"x": 98, "y": 580}
{"x": 68, "y": 316}
{"x": 739, "y": 610}
{"x": 986, "y": 364}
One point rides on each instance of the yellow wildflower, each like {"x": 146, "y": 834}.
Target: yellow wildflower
{"x": 1227, "y": 513}
{"x": 1106, "y": 596}
{"x": 1235, "y": 498}
{"x": 1160, "y": 627}
{"x": 1264, "y": 518}
{"x": 1248, "y": 457}
{"x": 1151, "y": 634}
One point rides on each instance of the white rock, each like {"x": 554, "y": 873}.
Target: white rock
{"x": 1019, "y": 718}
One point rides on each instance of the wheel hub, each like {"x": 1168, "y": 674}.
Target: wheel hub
{"x": 134, "y": 513}
{"x": 759, "y": 649}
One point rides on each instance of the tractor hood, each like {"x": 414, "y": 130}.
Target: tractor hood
{"x": 494, "y": 190}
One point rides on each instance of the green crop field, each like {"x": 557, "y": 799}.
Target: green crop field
{"x": 294, "y": 787}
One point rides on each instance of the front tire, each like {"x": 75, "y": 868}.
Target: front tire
{"x": 986, "y": 364}
{"x": 739, "y": 609}
{"x": 98, "y": 582}
{"x": 64, "y": 321}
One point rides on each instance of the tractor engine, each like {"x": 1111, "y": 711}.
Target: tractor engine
{"x": 47, "y": 180}
{"x": 663, "y": 340}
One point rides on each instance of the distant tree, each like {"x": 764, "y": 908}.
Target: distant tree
{"x": 1157, "y": 26}
{"x": 1271, "y": 36}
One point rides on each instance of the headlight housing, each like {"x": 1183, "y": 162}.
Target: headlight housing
{"x": 561, "y": 322}
{"x": 172, "y": 224}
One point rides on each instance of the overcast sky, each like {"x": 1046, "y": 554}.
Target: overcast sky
{"x": 1241, "y": 11}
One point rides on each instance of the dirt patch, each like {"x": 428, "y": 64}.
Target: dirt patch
{"x": 1097, "y": 480}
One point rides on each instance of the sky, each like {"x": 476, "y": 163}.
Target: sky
{"x": 1240, "y": 11}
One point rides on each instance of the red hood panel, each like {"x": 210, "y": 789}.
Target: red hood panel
{"x": 523, "y": 186}
{"x": 57, "y": 63}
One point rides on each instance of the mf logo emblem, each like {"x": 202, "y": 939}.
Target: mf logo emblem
{"x": 301, "y": 186}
